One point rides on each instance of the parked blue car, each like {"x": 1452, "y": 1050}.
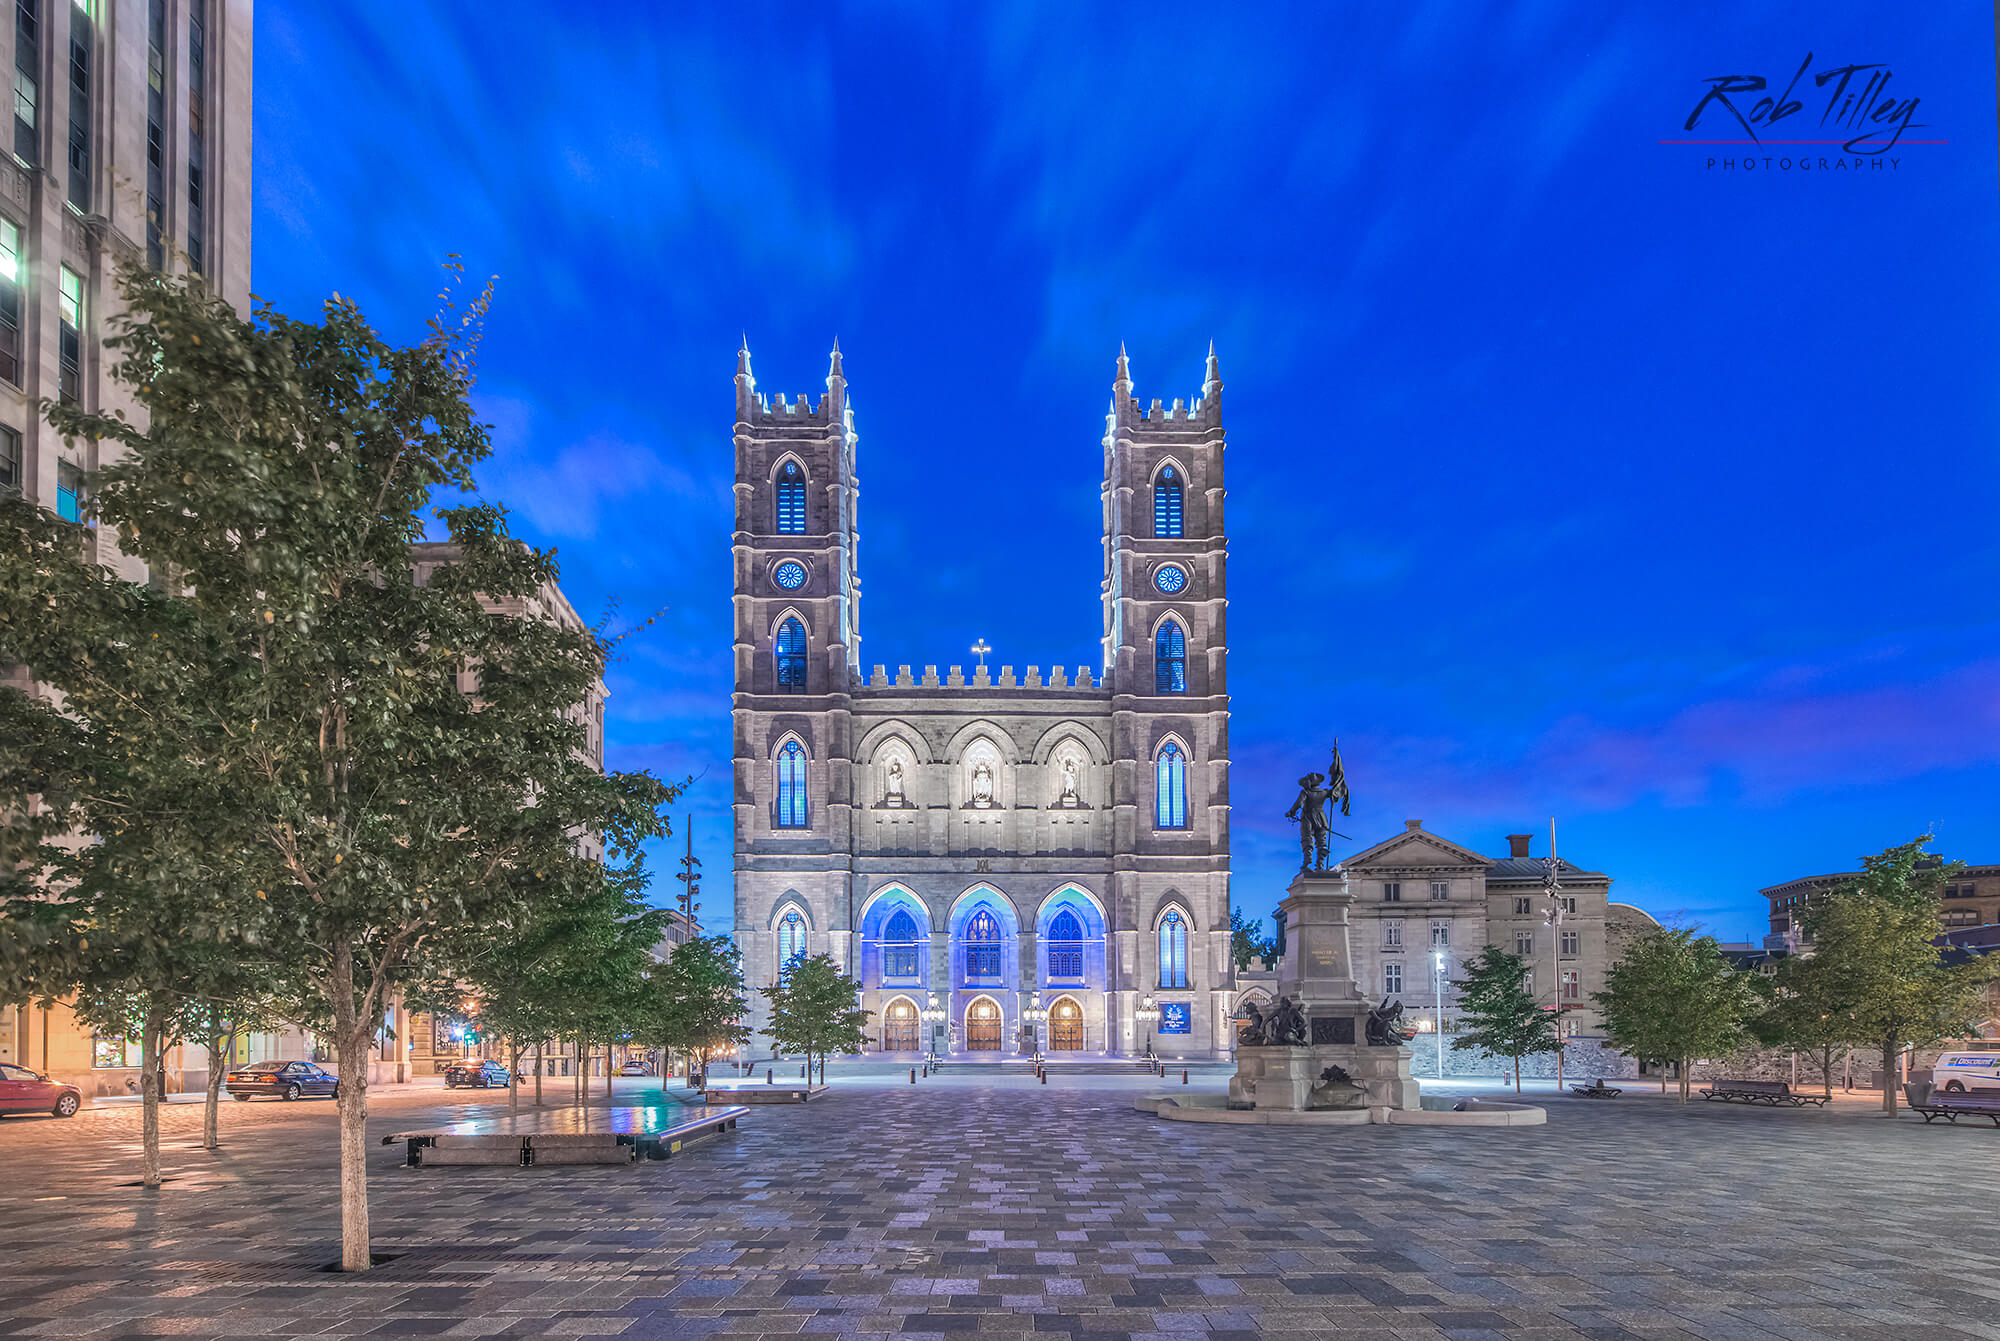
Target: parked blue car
{"x": 282, "y": 1080}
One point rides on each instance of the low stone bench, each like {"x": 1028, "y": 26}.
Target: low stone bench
{"x": 447, "y": 1148}
{"x": 652, "y": 1139}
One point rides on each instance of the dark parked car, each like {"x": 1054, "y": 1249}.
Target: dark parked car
{"x": 25, "y": 1091}
{"x": 477, "y": 1075}
{"x": 282, "y": 1080}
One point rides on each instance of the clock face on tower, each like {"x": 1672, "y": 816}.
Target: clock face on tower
{"x": 791, "y": 575}
{"x": 1170, "y": 579}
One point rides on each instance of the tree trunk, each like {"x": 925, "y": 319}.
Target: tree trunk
{"x": 351, "y": 1039}
{"x": 608, "y": 1069}
{"x": 1889, "y": 1051}
{"x": 220, "y": 1044}
{"x": 1686, "y": 1062}
{"x": 150, "y": 1031}
{"x": 513, "y": 1076}
{"x": 1517, "y": 1075}
{"x": 1826, "y": 1070}
{"x": 538, "y": 1075}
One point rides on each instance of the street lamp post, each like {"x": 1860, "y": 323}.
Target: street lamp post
{"x": 1033, "y": 1015}
{"x": 1437, "y": 995}
{"x": 1150, "y": 1013}
{"x": 932, "y": 1015}
{"x": 1555, "y": 919}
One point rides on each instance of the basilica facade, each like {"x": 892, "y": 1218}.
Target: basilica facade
{"x": 1005, "y": 862}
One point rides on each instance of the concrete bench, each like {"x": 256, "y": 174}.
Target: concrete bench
{"x": 1771, "y": 1093}
{"x": 658, "y": 1139}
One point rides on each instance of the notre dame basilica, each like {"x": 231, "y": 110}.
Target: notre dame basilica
{"x": 1004, "y": 861}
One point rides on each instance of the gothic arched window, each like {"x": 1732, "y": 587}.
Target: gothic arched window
{"x": 1065, "y": 946}
{"x": 792, "y": 500}
{"x": 1167, "y": 496}
{"x": 1173, "y": 950}
{"x": 982, "y": 946}
{"x": 792, "y": 786}
{"x": 791, "y": 942}
{"x": 899, "y": 946}
{"x": 791, "y": 652}
{"x": 1170, "y": 659}
{"x": 1170, "y": 788}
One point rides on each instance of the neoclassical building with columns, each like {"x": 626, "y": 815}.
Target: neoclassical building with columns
{"x": 992, "y": 847}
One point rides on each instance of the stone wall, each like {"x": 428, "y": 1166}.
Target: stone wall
{"x": 1583, "y": 1059}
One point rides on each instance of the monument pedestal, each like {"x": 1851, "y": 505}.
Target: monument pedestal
{"x": 1317, "y": 973}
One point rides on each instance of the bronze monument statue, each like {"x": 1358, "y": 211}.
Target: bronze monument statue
{"x": 1286, "y": 1025}
{"x": 1385, "y": 1028}
{"x": 1251, "y": 1034}
{"x": 1336, "y": 1089}
{"x": 1313, "y": 809}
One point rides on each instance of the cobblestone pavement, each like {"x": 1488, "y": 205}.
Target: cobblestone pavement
{"x": 1009, "y": 1209}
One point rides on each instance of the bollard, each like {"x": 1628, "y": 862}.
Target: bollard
{"x": 1183, "y": 1075}
{"x": 1045, "y": 1077}
{"x": 913, "y": 1075}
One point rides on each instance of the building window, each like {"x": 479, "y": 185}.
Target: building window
{"x": 80, "y": 40}
{"x": 69, "y": 491}
{"x": 982, "y": 946}
{"x": 1524, "y": 944}
{"x": 1568, "y": 903}
{"x": 1440, "y": 935}
{"x": 1524, "y": 906}
{"x": 1440, "y": 890}
{"x": 1173, "y": 950}
{"x": 1167, "y": 497}
{"x": 69, "y": 335}
{"x": 792, "y": 786}
{"x": 1065, "y": 946}
{"x": 10, "y": 460}
{"x": 1570, "y": 941}
{"x": 1392, "y": 934}
{"x": 791, "y": 500}
{"x": 1170, "y": 787}
{"x": 1392, "y": 891}
{"x": 1170, "y": 659}
{"x": 197, "y": 230}
{"x": 899, "y": 953}
{"x": 791, "y": 942}
{"x": 1572, "y": 986}
{"x": 156, "y": 133}
{"x": 10, "y": 301}
{"x": 27, "y": 69}
{"x": 1392, "y": 979}
{"x": 1961, "y": 917}
{"x": 109, "y": 1052}
{"x": 791, "y": 653}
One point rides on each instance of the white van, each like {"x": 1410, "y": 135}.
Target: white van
{"x": 1957, "y": 1072}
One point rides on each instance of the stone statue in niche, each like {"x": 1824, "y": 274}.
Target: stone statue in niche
{"x": 982, "y": 786}
{"x": 1069, "y": 799}
{"x": 1336, "y": 1089}
{"x": 893, "y": 796}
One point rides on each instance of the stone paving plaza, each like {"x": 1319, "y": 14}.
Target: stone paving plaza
{"x": 1008, "y": 1209}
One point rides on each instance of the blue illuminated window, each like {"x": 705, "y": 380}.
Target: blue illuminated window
{"x": 982, "y": 946}
{"x": 1173, "y": 950}
{"x": 69, "y": 492}
{"x": 1170, "y": 787}
{"x": 1167, "y": 496}
{"x": 791, "y": 942}
{"x": 791, "y": 651}
{"x": 789, "y": 575}
{"x": 1170, "y": 579}
{"x": 792, "y": 786}
{"x": 1170, "y": 659}
{"x": 791, "y": 500}
{"x": 899, "y": 949}
{"x": 1065, "y": 946}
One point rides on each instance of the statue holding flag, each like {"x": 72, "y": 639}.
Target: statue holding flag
{"x": 1313, "y": 811}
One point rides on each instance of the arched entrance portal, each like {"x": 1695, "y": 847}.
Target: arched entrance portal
{"x": 899, "y": 1026}
{"x": 982, "y": 1026}
{"x": 1066, "y": 1026}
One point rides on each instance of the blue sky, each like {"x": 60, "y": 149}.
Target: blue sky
{"x": 1568, "y": 476}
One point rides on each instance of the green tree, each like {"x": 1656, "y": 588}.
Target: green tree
{"x": 1245, "y": 944}
{"x": 393, "y": 762}
{"x": 1497, "y": 1015}
{"x": 813, "y": 1011}
{"x": 1675, "y": 997}
{"x": 1808, "y": 1011}
{"x": 1876, "y": 939}
{"x": 696, "y": 1003}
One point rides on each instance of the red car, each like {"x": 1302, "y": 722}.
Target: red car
{"x": 25, "y": 1091}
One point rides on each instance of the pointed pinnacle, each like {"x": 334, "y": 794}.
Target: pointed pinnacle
{"x": 1213, "y": 375}
{"x": 833, "y": 368}
{"x": 743, "y": 357}
{"x": 1124, "y": 366}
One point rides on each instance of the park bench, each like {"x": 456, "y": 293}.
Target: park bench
{"x": 467, "y": 1144}
{"x": 1769, "y": 1092}
{"x": 1597, "y": 1089}
{"x": 1951, "y": 1107}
